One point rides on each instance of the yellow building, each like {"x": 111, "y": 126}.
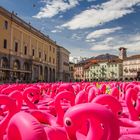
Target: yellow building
{"x": 25, "y": 53}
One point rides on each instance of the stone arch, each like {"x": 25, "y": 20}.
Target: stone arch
{"x": 4, "y": 62}
{"x": 16, "y": 68}
{"x": 16, "y": 64}
{"x": 25, "y": 76}
{"x": 126, "y": 79}
{"x": 4, "y": 74}
{"x": 26, "y": 66}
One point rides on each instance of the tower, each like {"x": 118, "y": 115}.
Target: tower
{"x": 122, "y": 53}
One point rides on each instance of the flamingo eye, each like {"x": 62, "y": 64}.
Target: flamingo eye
{"x": 36, "y": 101}
{"x": 120, "y": 112}
{"x": 31, "y": 94}
{"x": 68, "y": 122}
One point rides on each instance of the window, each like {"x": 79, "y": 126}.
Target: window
{"x": 25, "y": 50}
{"x": 53, "y": 50}
{"x": 53, "y": 60}
{"x": 33, "y": 52}
{"x": 6, "y": 24}
{"x": 5, "y": 44}
{"x": 39, "y": 54}
{"x": 45, "y": 57}
{"x": 41, "y": 70}
{"x": 16, "y": 46}
{"x": 50, "y": 59}
{"x": 72, "y": 69}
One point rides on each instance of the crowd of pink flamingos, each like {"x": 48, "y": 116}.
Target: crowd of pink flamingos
{"x": 70, "y": 111}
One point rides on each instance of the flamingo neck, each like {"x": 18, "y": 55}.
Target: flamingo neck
{"x": 28, "y": 102}
{"x": 60, "y": 113}
{"x": 132, "y": 111}
{"x": 95, "y": 130}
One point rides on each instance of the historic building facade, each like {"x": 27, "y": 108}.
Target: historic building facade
{"x": 63, "y": 72}
{"x": 25, "y": 53}
{"x": 131, "y": 67}
{"x": 79, "y": 71}
{"x": 115, "y": 69}
{"x": 119, "y": 68}
{"x": 102, "y": 67}
{"x": 71, "y": 68}
{"x": 103, "y": 70}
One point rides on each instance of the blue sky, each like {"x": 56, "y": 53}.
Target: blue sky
{"x": 85, "y": 27}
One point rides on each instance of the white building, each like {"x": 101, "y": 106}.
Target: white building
{"x": 104, "y": 70}
{"x": 131, "y": 67}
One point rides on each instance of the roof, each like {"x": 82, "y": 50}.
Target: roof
{"x": 133, "y": 57}
{"x": 71, "y": 63}
{"x": 117, "y": 60}
{"x": 122, "y": 48}
{"x": 60, "y": 47}
{"x": 12, "y": 16}
{"x": 87, "y": 65}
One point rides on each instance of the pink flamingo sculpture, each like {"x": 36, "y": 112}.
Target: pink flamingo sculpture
{"x": 111, "y": 102}
{"x": 131, "y": 94}
{"x": 8, "y": 89}
{"x": 115, "y": 92}
{"x": 93, "y": 92}
{"x": 60, "y": 112}
{"x": 10, "y": 105}
{"x": 65, "y": 86}
{"x": 103, "y": 88}
{"x": 81, "y": 97}
{"x": 55, "y": 130}
{"x": 17, "y": 95}
{"x": 24, "y": 126}
{"x": 49, "y": 119}
{"x": 93, "y": 113}
{"x": 29, "y": 96}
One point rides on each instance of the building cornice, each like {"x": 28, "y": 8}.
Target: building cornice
{"x": 25, "y": 25}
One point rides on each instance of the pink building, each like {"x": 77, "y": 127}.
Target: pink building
{"x": 79, "y": 71}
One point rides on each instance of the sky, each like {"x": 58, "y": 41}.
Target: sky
{"x": 86, "y": 28}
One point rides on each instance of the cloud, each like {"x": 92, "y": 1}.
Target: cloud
{"x": 135, "y": 38}
{"x": 132, "y": 47}
{"x": 131, "y": 42}
{"x": 56, "y": 31}
{"x": 101, "y": 14}
{"x": 76, "y": 36}
{"x": 90, "y": 40}
{"x": 102, "y": 32}
{"x": 103, "y": 45}
{"x": 99, "y": 47}
{"x": 54, "y": 7}
{"x": 61, "y": 16}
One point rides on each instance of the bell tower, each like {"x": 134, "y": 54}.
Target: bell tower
{"x": 122, "y": 53}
